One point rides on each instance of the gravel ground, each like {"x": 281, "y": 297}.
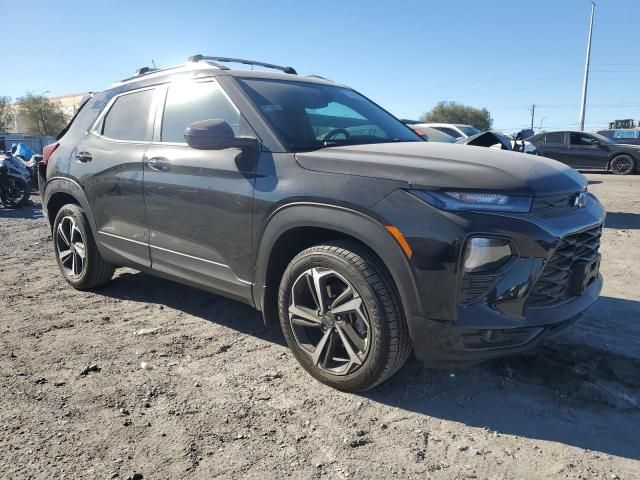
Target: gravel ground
{"x": 149, "y": 379}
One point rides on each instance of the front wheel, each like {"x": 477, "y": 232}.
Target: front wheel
{"x": 622, "y": 165}
{"x": 16, "y": 193}
{"x": 341, "y": 316}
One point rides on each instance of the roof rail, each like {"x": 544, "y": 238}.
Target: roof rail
{"x": 214, "y": 60}
{"x": 321, "y": 78}
{"x": 144, "y": 71}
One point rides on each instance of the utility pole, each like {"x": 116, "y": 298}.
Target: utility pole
{"x": 583, "y": 103}
{"x": 533, "y": 114}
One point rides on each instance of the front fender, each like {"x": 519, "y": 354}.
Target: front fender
{"x": 350, "y": 222}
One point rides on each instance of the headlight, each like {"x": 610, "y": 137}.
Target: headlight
{"x": 467, "y": 201}
{"x": 482, "y": 254}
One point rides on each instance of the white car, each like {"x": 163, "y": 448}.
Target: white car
{"x": 455, "y": 130}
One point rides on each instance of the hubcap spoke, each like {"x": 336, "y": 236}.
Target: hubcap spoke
{"x": 317, "y": 352}
{"x": 340, "y": 299}
{"x": 64, "y": 255}
{"x": 80, "y": 249}
{"x": 357, "y": 341}
{"x": 353, "y": 356}
{"x": 350, "y": 306}
{"x": 319, "y": 294}
{"x": 62, "y": 234}
{"x": 304, "y": 313}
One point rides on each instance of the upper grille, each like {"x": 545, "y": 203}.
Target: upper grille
{"x": 552, "y": 205}
{"x": 553, "y": 284}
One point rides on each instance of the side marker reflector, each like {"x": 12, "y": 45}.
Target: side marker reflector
{"x": 397, "y": 234}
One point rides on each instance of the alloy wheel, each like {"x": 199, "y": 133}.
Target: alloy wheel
{"x": 71, "y": 247}
{"x": 622, "y": 165}
{"x": 329, "y": 321}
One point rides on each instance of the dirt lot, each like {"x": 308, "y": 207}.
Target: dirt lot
{"x": 147, "y": 378}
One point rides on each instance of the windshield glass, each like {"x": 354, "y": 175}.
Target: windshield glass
{"x": 469, "y": 131}
{"x": 308, "y": 116}
{"x": 604, "y": 139}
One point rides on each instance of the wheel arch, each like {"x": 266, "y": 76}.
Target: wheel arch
{"x": 294, "y": 227}
{"x": 58, "y": 192}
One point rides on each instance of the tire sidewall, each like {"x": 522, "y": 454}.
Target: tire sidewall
{"x": 375, "y": 360}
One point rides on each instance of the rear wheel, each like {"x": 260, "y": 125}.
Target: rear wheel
{"x": 76, "y": 252}
{"x": 622, "y": 165}
{"x": 341, "y": 316}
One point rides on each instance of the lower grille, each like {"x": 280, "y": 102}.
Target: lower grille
{"x": 553, "y": 285}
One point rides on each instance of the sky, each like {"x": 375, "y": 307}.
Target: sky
{"x": 504, "y": 55}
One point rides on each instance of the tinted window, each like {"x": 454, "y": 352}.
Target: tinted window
{"x": 191, "y": 102}
{"x": 469, "y": 131}
{"x": 128, "y": 117}
{"x": 449, "y": 131}
{"x": 554, "y": 137}
{"x": 309, "y": 116}
{"x": 626, "y": 134}
{"x": 582, "y": 140}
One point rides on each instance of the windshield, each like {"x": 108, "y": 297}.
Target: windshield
{"x": 468, "y": 130}
{"x": 308, "y": 116}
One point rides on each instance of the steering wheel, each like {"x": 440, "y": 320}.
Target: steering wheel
{"x": 336, "y": 131}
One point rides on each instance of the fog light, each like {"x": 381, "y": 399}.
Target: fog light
{"x": 482, "y": 254}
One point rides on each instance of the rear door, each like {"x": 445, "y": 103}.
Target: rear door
{"x": 554, "y": 145}
{"x": 108, "y": 165}
{"x": 587, "y": 151}
{"x": 199, "y": 202}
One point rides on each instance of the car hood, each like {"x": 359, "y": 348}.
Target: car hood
{"x": 448, "y": 166}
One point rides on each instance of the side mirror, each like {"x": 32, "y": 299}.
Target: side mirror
{"x": 216, "y": 134}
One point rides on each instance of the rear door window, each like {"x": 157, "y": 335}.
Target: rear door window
{"x": 128, "y": 117}
{"x": 554, "y": 138}
{"x": 449, "y": 131}
{"x": 189, "y": 102}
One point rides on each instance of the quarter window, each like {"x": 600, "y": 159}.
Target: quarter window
{"x": 128, "y": 117}
{"x": 189, "y": 102}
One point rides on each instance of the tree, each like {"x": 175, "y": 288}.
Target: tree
{"x": 453, "y": 112}
{"x": 6, "y": 114}
{"x": 43, "y": 117}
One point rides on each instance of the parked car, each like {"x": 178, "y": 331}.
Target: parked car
{"x": 431, "y": 134}
{"x": 627, "y": 136}
{"x": 306, "y": 200}
{"x": 455, "y": 130}
{"x": 587, "y": 151}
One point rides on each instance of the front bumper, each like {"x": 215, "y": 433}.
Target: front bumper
{"x": 443, "y": 345}
{"x": 447, "y": 327}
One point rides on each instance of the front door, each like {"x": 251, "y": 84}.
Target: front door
{"x": 199, "y": 202}
{"x": 108, "y": 165}
{"x": 588, "y": 152}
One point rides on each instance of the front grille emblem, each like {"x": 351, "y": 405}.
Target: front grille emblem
{"x": 580, "y": 199}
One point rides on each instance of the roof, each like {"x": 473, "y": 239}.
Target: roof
{"x": 205, "y": 68}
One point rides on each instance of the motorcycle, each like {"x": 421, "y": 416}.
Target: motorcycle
{"x": 14, "y": 181}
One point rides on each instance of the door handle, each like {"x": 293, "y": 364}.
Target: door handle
{"x": 159, "y": 164}
{"x": 84, "y": 157}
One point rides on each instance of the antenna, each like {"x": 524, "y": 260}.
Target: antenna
{"x": 153, "y": 63}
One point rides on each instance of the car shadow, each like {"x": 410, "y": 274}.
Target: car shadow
{"x": 622, "y": 220}
{"x": 140, "y": 287}
{"x": 30, "y": 210}
{"x": 568, "y": 390}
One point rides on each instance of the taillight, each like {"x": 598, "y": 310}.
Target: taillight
{"x": 47, "y": 151}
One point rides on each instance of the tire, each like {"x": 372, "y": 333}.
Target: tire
{"x": 71, "y": 227}
{"x": 622, "y": 165}
{"x": 17, "y": 192}
{"x": 348, "y": 276}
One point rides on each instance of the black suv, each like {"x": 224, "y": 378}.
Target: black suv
{"x": 311, "y": 203}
